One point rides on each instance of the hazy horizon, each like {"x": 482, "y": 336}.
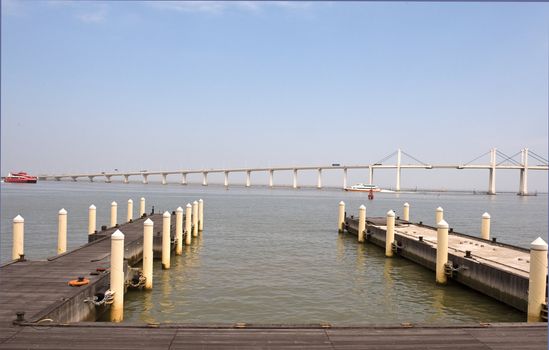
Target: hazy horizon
{"x": 98, "y": 86}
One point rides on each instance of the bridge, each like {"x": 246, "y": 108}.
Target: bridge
{"x": 497, "y": 161}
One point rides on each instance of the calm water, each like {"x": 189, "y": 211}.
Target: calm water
{"x": 274, "y": 255}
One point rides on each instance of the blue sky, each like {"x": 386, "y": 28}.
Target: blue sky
{"x": 93, "y": 86}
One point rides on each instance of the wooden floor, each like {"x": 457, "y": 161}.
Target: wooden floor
{"x": 106, "y": 336}
{"x": 34, "y": 286}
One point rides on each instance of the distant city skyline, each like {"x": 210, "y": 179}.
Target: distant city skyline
{"x": 98, "y": 86}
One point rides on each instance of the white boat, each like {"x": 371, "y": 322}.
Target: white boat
{"x": 363, "y": 188}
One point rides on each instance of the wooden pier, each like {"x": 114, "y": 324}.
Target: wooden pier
{"x": 496, "y": 269}
{"x": 56, "y": 315}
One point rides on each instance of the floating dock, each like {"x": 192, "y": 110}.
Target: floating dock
{"x": 498, "y": 270}
{"x": 57, "y": 316}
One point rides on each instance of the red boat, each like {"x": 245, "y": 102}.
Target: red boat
{"x": 20, "y": 177}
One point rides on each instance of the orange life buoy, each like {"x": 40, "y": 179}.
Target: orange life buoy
{"x": 79, "y": 282}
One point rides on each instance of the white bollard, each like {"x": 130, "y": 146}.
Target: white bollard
{"x": 442, "y": 251}
{"x": 117, "y": 276}
{"x": 129, "y": 217}
{"x": 179, "y": 230}
{"x": 439, "y": 215}
{"x": 141, "y": 207}
{"x": 200, "y": 215}
{"x": 114, "y": 209}
{"x": 341, "y": 217}
{"x": 406, "y": 212}
{"x": 92, "y": 221}
{"x": 166, "y": 244}
{"x": 361, "y": 222}
{"x": 390, "y": 234}
{"x": 195, "y": 219}
{"x": 62, "y": 231}
{"x": 18, "y": 247}
{"x": 538, "y": 279}
{"x": 485, "y": 227}
{"x": 188, "y": 224}
{"x": 148, "y": 228}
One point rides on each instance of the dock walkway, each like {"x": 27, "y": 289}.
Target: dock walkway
{"x": 41, "y": 290}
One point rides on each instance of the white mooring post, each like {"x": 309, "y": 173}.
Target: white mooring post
{"x": 141, "y": 207}
{"x": 485, "y": 226}
{"x": 62, "y": 231}
{"x": 200, "y": 215}
{"x": 18, "y": 248}
{"x": 390, "y": 234}
{"x": 179, "y": 230}
{"x": 188, "y": 224}
{"x": 166, "y": 240}
{"x": 361, "y": 223}
{"x": 341, "y": 217}
{"x": 538, "y": 279}
{"x": 295, "y": 179}
{"x": 92, "y": 219}
{"x": 117, "y": 276}
{"x": 148, "y": 228}
{"x": 114, "y": 209}
{"x": 129, "y": 216}
{"x": 442, "y": 251}
{"x": 406, "y": 212}
{"x": 195, "y": 219}
{"x": 439, "y": 215}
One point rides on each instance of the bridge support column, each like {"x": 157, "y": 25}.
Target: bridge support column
{"x": 126, "y": 179}
{"x": 319, "y": 180}
{"x": 248, "y": 181}
{"x": 295, "y": 179}
{"x": 344, "y": 178}
{"x": 57, "y": 178}
{"x": 183, "y": 178}
{"x": 91, "y": 178}
{"x": 370, "y": 175}
{"x": 73, "y": 178}
{"x": 164, "y": 179}
{"x": 271, "y": 175}
{"x": 204, "y": 179}
{"x": 226, "y": 180}
{"x": 145, "y": 178}
{"x": 523, "y": 186}
{"x": 107, "y": 178}
{"x": 398, "y": 170}
{"x": 492, "y": 179}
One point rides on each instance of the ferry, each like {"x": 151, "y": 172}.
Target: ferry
{"x": 20, "y": 177}
{"x": 363, "y": 188}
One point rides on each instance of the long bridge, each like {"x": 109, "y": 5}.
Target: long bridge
{"x": 497, "y": 161}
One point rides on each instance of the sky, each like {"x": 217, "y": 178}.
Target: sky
{"x": 94, "y": 86}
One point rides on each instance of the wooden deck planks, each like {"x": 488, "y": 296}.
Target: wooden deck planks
{"x": 96, "y": 336}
